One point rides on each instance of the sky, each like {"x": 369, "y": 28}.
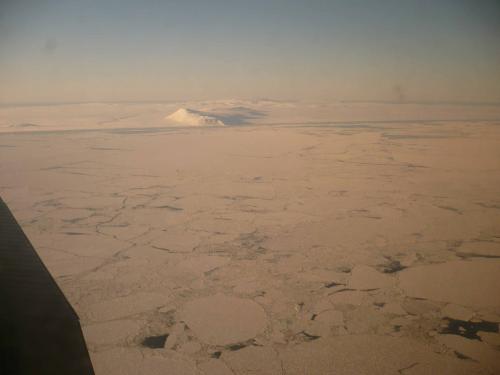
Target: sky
{"x": 312, "y": 50}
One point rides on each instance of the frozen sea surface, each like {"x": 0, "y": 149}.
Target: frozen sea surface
{"x": 368, "y": 249}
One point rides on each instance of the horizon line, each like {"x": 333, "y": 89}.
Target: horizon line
{"x": 159, "y": 101}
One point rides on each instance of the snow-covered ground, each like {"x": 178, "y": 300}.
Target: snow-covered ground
{"x": 370, "y": 248}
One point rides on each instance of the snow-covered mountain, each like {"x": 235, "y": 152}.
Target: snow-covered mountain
{"x": 191, "y": 117}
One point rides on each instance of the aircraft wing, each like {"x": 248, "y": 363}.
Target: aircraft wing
{"x": 40, "y": 332}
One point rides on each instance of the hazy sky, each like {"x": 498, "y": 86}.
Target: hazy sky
{"x": 436, "y": 50}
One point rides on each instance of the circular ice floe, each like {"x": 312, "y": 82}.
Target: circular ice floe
{"x": 367, "y": 278}
{"x": 224, "y": 320}
{"x": 463, "y": 283}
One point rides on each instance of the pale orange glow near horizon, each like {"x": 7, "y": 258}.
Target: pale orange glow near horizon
{"x": 319, "y": 51}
